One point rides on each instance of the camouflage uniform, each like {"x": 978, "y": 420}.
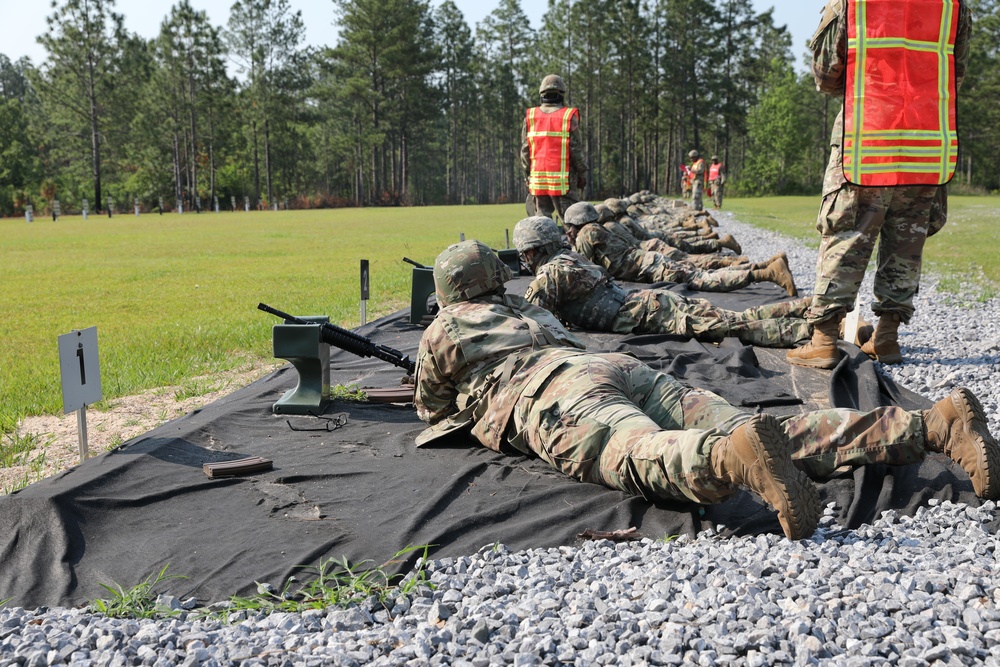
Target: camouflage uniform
{"x": 697, "y": 184}
{"x": 508, "y": 370}
{"x": 852, "y": 218}
{"x": 624, "y": 260}
{"x": 582, "y": 294}
{"x": 656, "y": 241}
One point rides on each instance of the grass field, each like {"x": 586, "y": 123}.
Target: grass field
{"x": 174, "y": 297}
{"x": 965, "y": 253}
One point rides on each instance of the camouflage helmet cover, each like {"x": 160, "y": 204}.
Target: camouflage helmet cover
{"x": 580, "y": 214}
{"x": 604, "y": 213}
{"x": 466, "y": 270}
{"x": 616, "y": 206}
{"x": 552, "y": 83}
{"x": 537, "y": 232}
{"x": 715, "y": 158}
{"x": 693, "y": 154}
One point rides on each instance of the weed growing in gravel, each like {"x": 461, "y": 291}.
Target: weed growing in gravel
{"x": 138, "y": 601}
{"x": 337, "y": 584}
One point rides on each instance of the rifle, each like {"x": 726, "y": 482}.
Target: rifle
{"x": 415, "y": 263}
{"x": 350, "y": 341}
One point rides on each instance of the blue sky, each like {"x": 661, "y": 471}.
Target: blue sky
{"x": 25, "y": 19}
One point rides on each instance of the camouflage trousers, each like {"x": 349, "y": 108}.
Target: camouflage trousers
{"x": 717, "y": 189}
{"x": 549, "y": 205}
{"x": 697, "y": 194}
{"x": 610, "y": 419}
{"x": 851, "y": 220}
{"x": 662, "y": 311}
{"x": 708, "y": 260}
{"x": 657, "y": 268}
{"x": 694, "y": 244}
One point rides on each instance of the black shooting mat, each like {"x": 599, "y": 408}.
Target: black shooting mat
{"x": 366, "y": 492}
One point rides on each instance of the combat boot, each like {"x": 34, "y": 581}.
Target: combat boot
{"x": 758, "y": 456}
{"x": 769, "y": 261}
{"x": 822, "y": 350}
{"x": 864, "y": 334}
{"x": 956, "y": 426}
{"x": 779, "y": 273}
{"x": 728, "y": 241}
{"x": 884, "y": 344}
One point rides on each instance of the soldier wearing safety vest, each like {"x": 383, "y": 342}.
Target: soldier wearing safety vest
{"x": 552, "y": 154}
{"x": 717, "y": 180}
{"x": 898, "y": 65}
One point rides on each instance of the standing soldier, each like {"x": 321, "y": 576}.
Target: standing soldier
{"x": 552, "y": 156}
{"x": 697, "y": 180}
{"x": 685, "y": 182}
{"x": 894, "y": 144}
{"x": 717, "y": 179}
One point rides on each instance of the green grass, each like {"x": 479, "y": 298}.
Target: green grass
{"x": 963, "y": 253}
{"x": 174, "y": 297}
{"x": 138, "y": 601}
{"x": 335, "y": 582}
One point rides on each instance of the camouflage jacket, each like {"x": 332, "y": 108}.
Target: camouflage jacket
{"x": 614, "y": 252}
{"x": 577, "y": 155}
{"x": 829, "y": 69}
{"x": 478, "y": 357}
{"x": 566, "y": 277}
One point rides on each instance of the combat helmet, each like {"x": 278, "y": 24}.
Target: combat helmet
{"x": 715, "y": 158}
{"x": 694, "y": 155}
{"x": 616, "y": 206}
{"x": 537, "y": 233}
{"x": 466, "y": 270}
{"x": 580, "y": 214}
{"x": 604, "y": 214}
{"x": 553, "y": 83}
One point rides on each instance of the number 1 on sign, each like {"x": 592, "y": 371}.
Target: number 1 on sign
{"x": 83, "y": 367}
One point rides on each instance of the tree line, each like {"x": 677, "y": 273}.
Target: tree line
{"x": 413, "y": 106}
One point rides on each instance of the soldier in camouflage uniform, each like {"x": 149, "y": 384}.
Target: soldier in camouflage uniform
{"x": 697, "y": 180}
{"x": 508, "y": 372}
{"x": 553, "y": 94}
{"x": 852, "y": 218}
{"x": 623, "y": 260}
{"x": 654, "y": 241}
{"x": 581, "y": 293}
{"x": 699, "y": 238}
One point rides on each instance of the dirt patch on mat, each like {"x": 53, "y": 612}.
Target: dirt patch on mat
{"x": 56, "y": 438}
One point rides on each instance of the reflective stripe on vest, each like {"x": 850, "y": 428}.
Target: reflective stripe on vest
{"x": 899, "y": 106}
{"x": 548, "y": 138}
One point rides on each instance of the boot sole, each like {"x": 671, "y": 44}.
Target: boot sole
{"x": 868, "y": 347}
{"x": 987, "y": 457}
{"x": 825, "y": 364}
{"x": 799, "y": 513}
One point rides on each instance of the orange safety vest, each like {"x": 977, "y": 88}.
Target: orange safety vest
{"x": 900, "y": 125}
{"x": 713, "y": 171}
{"x": 695, "y": 176}
{"x": 548, "y": 138}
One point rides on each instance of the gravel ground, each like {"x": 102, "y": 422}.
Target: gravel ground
{"x": 911, "y": 591}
